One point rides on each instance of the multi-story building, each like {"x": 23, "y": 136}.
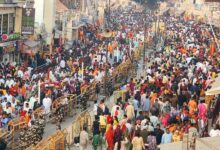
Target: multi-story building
{"x": 207, "y": 10}
{"x": 76, "y": 14}
{"x": 10, "y": 29}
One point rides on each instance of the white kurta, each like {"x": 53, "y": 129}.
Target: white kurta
{"x": 47, "y": 102}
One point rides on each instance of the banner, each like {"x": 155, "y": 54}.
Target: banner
{"x": 28, "y": 16}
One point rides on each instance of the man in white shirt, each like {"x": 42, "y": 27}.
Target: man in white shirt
{"x": 47, "y": 102}
{"x": 2, "y": 81}
{"x": 26, "y": 106}
{"x": 215, "y": 131}
{"x": 62, "y": 64}
{"x": 154, "y": 120}
{"x": 9, "y": 97}
{"x": 20, "y": 73}
{"x": 33, "y": 99}
{"x": 95, "y": 108}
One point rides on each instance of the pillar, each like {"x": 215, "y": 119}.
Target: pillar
{"x": 18, "y": 19}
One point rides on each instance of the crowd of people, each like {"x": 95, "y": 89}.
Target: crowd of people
{"x": 170, "y": 100}
{"x": 159, "y": 107}
{"x": 64, "y": 72}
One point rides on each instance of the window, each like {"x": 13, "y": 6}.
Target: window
{"x": 5, "y": 24}
{"x": 11, "y": 23}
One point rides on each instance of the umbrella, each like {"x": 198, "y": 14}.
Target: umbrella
{"x": 215, "y": 88}
{"x": 213, "y": 91}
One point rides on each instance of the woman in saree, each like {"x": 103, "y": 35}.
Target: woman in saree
{"x": 109, "y": 135}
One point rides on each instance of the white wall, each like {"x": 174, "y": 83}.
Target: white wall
{"x": 39, "y": 11}
{"x": 49, "y": 17}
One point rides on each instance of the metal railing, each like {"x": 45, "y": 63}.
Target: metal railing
{"x": 74, "y": 103}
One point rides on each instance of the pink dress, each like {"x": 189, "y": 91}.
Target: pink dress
{"x": 202, "y": 111}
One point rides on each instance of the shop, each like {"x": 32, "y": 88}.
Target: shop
{"x": 9, "y": 47}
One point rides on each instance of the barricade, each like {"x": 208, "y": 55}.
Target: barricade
{"x": 14, "y": 125}
{"x": 17, "y": 124}
{"x": 65, "y": 137}
{"x": 7, "y": 136}
{"x": 117, "y": 79}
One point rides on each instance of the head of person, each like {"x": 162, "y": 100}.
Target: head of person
{"x": 151, "y": 133}
{"x": 140, "y": 113}
{"x": 138, "y": 133}
{"x": 84, "y": 128}
{"x": 96, "y": 117}
{"x": 216, "y": 126}
{"x": 158, "y": 126}
{"x": 102, "y": 101}
{"x": 167, "y": 130}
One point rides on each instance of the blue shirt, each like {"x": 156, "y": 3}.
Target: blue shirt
{"x": 135, "y": 104}
{"x": 166, "y": 138}
{"x": 146, "y": 104}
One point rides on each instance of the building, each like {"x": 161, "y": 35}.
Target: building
{"x": 71, "y": 15}
{"x": 10, "y": 30}
{"x": 45, "y": 20}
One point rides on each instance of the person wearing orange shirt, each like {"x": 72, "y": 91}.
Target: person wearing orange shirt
{"x": 212, "y": 49}
{"x": 192, "y": 105}
{"x": 153, "y": 97}
{"x": 110, "y": 48}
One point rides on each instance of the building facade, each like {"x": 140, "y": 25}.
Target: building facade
{"x": 10, "y": 30}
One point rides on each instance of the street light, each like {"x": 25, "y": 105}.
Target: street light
{"x": 107, "y": 34}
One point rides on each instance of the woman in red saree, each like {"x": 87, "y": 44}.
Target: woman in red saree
{"x": 109, "y": 135}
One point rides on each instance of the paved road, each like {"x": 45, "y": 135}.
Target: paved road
{"x": 111, "y": 100}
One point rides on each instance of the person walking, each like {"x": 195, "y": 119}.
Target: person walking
{"x": 152, "y": 142}
{"x": 130, "y": 111}
{"x": 109, "y": 135}
{"x": 84, "y": 139}
{"x": 97, "y": 142}
{"x": 167, "y": 137}
{"x": 146, "y": 105}
{"x": 159, "y": 133}
{"x": 138, "y": 142}
{"x": 135, "y": 104}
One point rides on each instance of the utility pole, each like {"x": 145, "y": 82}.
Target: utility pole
{"x": 107, "y": 34}
{"x": 144, "y": 50}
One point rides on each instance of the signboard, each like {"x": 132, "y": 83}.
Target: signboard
{"x": 28, "y": 16}
{"x": 10, "y": 46}
{"x": 29, "y": 4}
{"x": 9, "y": 37}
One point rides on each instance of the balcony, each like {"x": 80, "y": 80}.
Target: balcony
{"x": 12, "y": 3}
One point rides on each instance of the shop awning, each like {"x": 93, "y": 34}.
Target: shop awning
{"x": 180, "y": 13}
{"x": 60, "y": 7}
{"x": 32, "y": 44}
{"x": 215, "y": 87}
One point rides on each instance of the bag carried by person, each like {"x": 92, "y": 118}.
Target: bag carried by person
{"x": 99, "y": 111}
{"x": 76, "y": 139}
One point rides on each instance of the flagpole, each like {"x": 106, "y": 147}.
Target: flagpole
{"x": 82, "y": 70}
{"x": 39, "y": 91}
{"x": 117, "y": 54}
